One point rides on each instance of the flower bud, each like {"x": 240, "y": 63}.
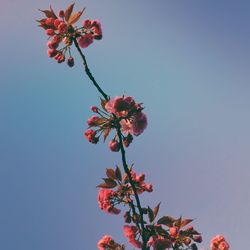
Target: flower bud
{"x": 197, "y": 238}
{"x": 187, "y": 241}
{"x": 50, "y": 21}
{"x": 149, "y": 187}
{"x": 57, "y": 22}
{"x": 173, "y": 231}
{"x": 94, "y": 109}
{"x": 61, "y": 58}
{"x": 50, "y": 32}
{"x": 92, "y": 121}
{"x": 140, "y": 178}
{"x": 52, "y": 45}
{"x": 62, "y": 27}
{"x": 51, "y": 52}
{"x": 114, "y": 145}
{"x": 127, "y": 140}
{"x": 70, "y": 61}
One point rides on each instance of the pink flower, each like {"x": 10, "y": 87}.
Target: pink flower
{"x": 120, "y": 105}
{"x": 173, "y": 231}
{"x": 105, "y": 242}
{"x": 92, "y": 31}
{"x": 85, "y": 40}
{"x": 219, "y": 243}
{"x": 140, "y": 184}
{"x": 105, "y": 199}
{"x": 134, "y": 125}
{"x": 130, "y": 233}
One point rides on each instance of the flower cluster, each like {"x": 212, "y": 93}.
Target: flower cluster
{"x": 139, "y": 182}
{"x": 107, "y": 243}
{"x": 219, "y": 243}
{"x": 107, "y": 199}
{"x": 132, "y": 234}
{"x": 119, "y": 112}
{"x": 61, "y": 31}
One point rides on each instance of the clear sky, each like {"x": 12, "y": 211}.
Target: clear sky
{"x": 186, "y": 60}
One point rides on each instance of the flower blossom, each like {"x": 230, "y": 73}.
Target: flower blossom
{"x": 106, "y": 242}
{"x": 130, "y": 232}
{"x": 140, "y": 184}
{"x": 106, "y": 199}
{"x": 134, "y": 120}
{"x": 219, "y": 243}
{"x": 92, "y": 30}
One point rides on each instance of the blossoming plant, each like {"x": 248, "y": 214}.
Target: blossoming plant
{"x": 126, "y": 118}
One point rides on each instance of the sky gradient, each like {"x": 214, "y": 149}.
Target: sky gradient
{"x": 187, "y": 61}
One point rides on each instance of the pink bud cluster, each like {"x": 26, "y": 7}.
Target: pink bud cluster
{"x": 139, "y": 181}
{"x": 60, "y": 30}
{"x": 219, "y": 243}
{"x": 92, "y": 30}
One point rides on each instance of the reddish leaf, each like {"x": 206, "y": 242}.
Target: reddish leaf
{"x": 75, "y": 17}
{"x": 100, "y": 121}
{"x": 166, "y": 220}
{"x": 106, "y": 132}
{"x": 104, "y": 185}
{"x": 110, "y": 182}
{"x": 103, "y": 103}
{"x": 178, "y": 222}
{"x": 118, "y": 173}
{"x": 156, "y": 210}
{"x": 52, "y": 12}
{"x": 68, "y": 11}
{"x": 47, "y": 13}
{"x": 185, "y": 222}
{"x": 110, "y": 173}
{"x": 150, "y": 214}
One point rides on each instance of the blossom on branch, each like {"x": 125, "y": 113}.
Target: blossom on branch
{"x": 219, "y": 243}
{"x": 61, "y": 31}
{"x": 106, "y": 200}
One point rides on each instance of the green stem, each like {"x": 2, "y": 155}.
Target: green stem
{"x": 125, "y": 166}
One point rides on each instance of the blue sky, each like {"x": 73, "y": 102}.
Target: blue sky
{"x": 187, "y": 61}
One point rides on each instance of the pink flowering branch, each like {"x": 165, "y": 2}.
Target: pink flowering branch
{"x": 126, "y": 118}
